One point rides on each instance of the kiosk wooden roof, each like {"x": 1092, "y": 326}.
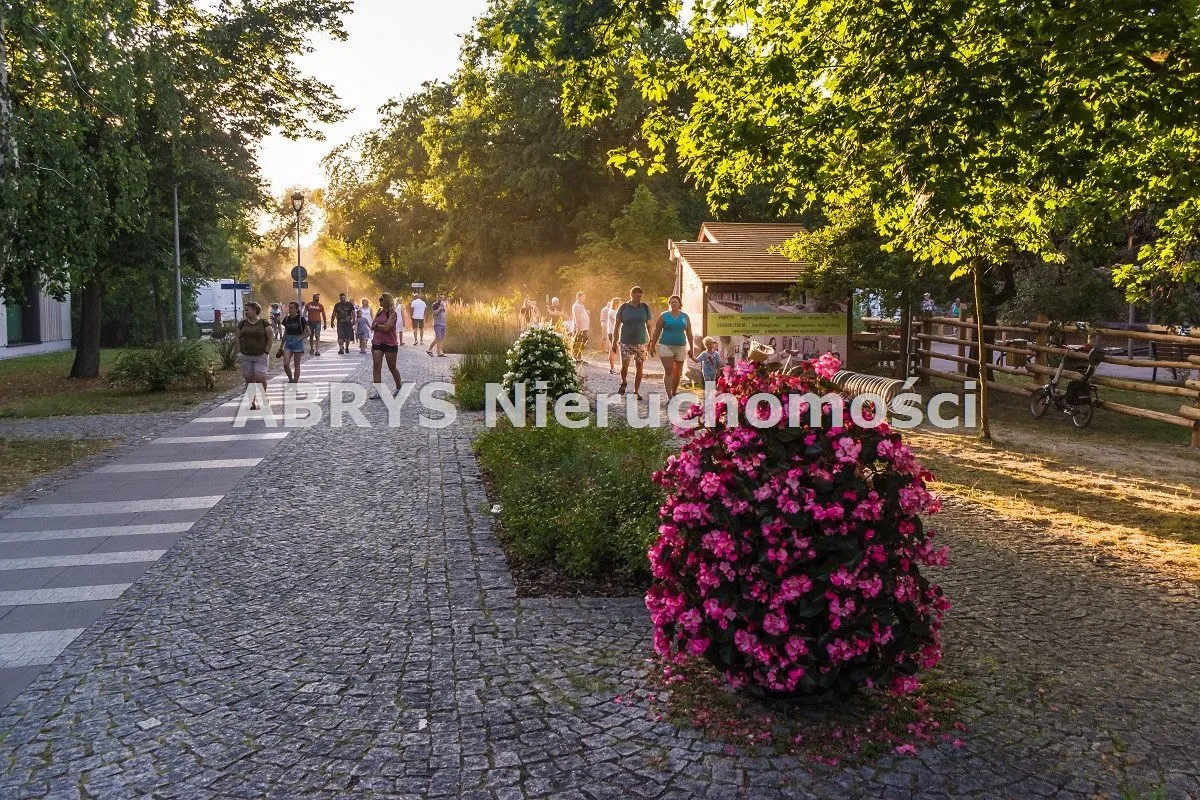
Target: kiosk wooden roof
{"x": 740, "y": 252}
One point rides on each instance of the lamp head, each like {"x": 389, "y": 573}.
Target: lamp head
{"x": 298, "y": 201}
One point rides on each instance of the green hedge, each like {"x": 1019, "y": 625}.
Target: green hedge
{"x": 583, "y": 499}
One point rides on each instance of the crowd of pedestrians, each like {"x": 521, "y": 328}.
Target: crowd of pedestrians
{"x": 380, "y": 332}
{"x": 632, "y": 333}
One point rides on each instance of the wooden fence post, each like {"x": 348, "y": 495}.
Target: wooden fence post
{"x": 960, "y": 367}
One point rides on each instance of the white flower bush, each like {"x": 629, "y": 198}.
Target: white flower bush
{"x": 541, "y": 354}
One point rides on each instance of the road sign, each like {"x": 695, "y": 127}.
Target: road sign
{"x": 245, "y": 287}
{"x": 299, "y": 284}
{"x": 418, "y": 286}
{"x": 299, "y": 274}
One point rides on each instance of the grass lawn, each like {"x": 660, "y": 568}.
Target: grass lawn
{"x": 38, "y": 386}
{"x": 26, "y": 459}
{"x": 1124, "y": 483}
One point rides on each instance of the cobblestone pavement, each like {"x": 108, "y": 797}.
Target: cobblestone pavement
{"x": 344, "y": 624}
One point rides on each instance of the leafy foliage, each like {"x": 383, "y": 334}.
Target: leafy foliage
{"x": 117, "y": 102}
{"x": 224, "y": 345}
{"x": 976, "y": 135}
{"x": 158, "y": 368}
{"x": 582, "y": 498}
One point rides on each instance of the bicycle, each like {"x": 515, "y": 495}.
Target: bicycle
{"x": 1079, "y": 399}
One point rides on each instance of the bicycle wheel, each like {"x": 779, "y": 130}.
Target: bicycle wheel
{"x": 1039, "y": 401}
{"x": 1081, "y": 416}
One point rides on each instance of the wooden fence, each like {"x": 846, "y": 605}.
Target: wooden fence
{"x": 1025, "y": 351}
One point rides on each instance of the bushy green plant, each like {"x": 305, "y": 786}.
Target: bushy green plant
{"x": 225, "y": 346}
{"x": 582, "y": 498}
{"x": 157, "y": 368}
{"x": 541, "y": 354}
{"x": 471, "y": 375}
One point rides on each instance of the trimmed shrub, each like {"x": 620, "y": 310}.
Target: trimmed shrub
{"x": 789, "y": 556}
{"x": 157, "y": 368}
{"x": 541, "y": 354}
{"x": 581, "y": 498}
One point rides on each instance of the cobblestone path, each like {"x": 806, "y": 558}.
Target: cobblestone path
{"x": 344, "y": 625}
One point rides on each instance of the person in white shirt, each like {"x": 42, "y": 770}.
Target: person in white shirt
{"x": 581, "y": 323}
{"x": 417, "y": 307}
{"x": 608, "y": 321}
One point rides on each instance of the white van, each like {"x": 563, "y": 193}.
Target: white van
{"x": 210, "y": 297}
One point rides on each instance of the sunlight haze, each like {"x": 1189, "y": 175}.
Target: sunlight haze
{"x": 394, "y": 46}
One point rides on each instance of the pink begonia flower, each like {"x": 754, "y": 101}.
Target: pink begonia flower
{"x": 842, "y": 578}
{"x": 711, "y": 484}
{"x": 690, "y": 621}
{"x": 871, "y": 587}
{"x": 847, "y": 450}
{"x": 827, "y": 366}
{"x": 906, "y": 684}
{"x": 793, "y": 587}
{"x": 745, "y": 641}
{"x": 775, "y": 624}
{"x": 795, "y": 648}
{"x": 905, "y": 750}
{"x": 696, "y": 646}
{"x": 720, "y": 544}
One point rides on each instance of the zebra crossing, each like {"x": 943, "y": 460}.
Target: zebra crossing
{"x": 65, "y": 559}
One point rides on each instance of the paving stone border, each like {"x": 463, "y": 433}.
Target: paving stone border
{"x": 344, "y": 624}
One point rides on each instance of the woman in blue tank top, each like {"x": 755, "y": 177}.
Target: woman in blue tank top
{"x": 673, "y": 338}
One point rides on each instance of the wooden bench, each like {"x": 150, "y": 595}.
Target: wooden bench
{"x": 1171, "y": 351}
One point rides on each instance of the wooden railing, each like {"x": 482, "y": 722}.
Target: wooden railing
{"x": 1025, "y": 351}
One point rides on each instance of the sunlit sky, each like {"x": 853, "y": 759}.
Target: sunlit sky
{"x": 394, "y": 46}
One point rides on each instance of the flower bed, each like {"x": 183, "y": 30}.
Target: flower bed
{"x": 790, "y": 557}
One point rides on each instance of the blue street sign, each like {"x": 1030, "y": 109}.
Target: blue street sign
{"x": 299, "y": 274}
{"x": 299, "y": 284}
{"x": 245, "y": 287}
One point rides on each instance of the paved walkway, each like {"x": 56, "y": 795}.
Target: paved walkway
{"x": 67, "y": 557}
{"x": 342, "y": 623}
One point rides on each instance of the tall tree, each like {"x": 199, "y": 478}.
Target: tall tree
{"x": 115, "y": 102}
{"x": 968, "y": 127}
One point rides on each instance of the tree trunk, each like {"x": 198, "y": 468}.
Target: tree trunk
{"x": 985, "y": 430}
{"x": 8, "y": 156}
{"x": 87, "y": 353}
{"x": 905, "y": 366}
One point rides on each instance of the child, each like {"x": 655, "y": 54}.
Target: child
{"x": 710, "y": 359}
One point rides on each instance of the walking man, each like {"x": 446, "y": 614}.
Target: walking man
{"x": 581, "y": 323}
{"x": 417, "y": 309}
{"x": 343, "y": 318}
{"x": 632, "y": 334}
{"x": 315, "y": 312}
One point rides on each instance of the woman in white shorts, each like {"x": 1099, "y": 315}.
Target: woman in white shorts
{"x": 254, "y": 337}
{"x": 673, "y": 339}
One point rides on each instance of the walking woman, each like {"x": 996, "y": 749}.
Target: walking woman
{"x": 608, "y": 321}
{"x": 384, "y": 343}
{"x": 673, "y": 338}
{"x": 362, "y": 324}
{"x": 438, "y": 310}
{"x": 295, "y": 328}
{"x": 252, "y": 339}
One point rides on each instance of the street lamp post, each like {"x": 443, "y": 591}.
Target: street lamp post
{"x": 298, "y": 205}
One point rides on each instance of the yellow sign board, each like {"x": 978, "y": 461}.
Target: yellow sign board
{"x": 776, "y": 324}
